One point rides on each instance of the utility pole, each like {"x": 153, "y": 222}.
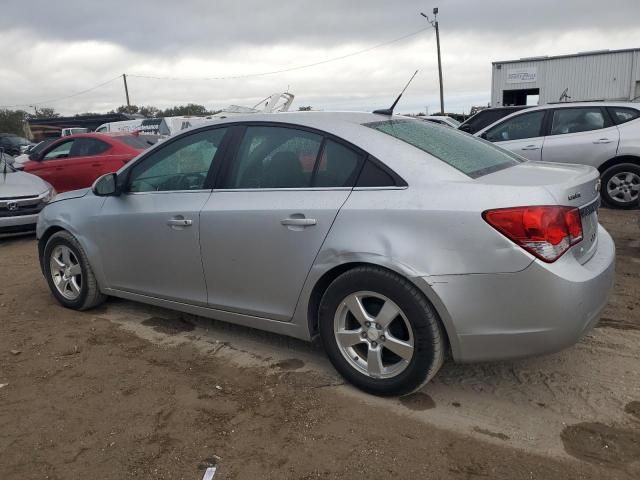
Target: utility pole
{"x": 434, "y": 24}
{"x": 126, "y": 91}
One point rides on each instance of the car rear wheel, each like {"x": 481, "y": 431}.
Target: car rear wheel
{"x": 69, "y": 274}
{"x": 380, "y": 332}
{"x": 621, "y": 185}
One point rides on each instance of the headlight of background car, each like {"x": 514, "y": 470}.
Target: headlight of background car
{"x": 50, "y": 195}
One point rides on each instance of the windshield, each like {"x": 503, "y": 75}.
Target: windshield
{"x": 472, "y": 156}
{"x": 5, "y": 162}
{"x": 139, "y": 141}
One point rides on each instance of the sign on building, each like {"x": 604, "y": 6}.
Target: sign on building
{"x": 522, "y": 75}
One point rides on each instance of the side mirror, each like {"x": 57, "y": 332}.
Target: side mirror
{"x": 36, "y": 157}
{"x": 484, "y": 135}
{"x": 106, "y": 185}
{"x": 465, "y": 128}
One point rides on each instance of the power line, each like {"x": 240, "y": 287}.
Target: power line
{"x": 43, "y": 102}
{"x": 284, "y": 70}
{"x": 229, "y": 77}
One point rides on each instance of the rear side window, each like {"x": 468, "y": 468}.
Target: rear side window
{"x": 576, "y": 120}
{"x": 87, "y": 147}
{"x": 623, "y": 115}
{"x": 274, "y": 157}
{"x": 461, "y": 151}
{"x": 338, "y": 166}
{"x": 373, "y": 175}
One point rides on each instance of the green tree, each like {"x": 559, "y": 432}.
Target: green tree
{"x": 304, "y": 109}
{"x": 12, "y": 121}
{"x": 189, "y": 109}
{"x": 150, "y": 111}
{"x": 127, "y": 109}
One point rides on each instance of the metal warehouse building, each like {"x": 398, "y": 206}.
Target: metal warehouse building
{"x": 598, "y": 75}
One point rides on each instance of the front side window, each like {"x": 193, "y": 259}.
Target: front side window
{"x": 472, "y": 156}
{"x": 527, "y": 125}
{"x": 274, "y": 157}
{"x": 88, "y": 147}
{"x": 61, "y": 151}
{"x": 576, "y": 120}
{"x": 180, "y": 165}
{"x": 623, "y": 114}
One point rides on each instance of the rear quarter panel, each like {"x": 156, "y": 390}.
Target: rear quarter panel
{"x": 629, "y": 139}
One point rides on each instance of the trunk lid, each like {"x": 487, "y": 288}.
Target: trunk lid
{"x": 569, "y": 185}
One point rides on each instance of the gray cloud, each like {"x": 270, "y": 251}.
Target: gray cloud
{"x": 52, "y": 49}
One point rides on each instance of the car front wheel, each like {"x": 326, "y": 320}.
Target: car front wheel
{"x": 621, "y": 185}
{"x": 380, "y": 332}
{"x": 68, "y": 273}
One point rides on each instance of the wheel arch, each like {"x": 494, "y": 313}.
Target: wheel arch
{"x": 617, "y": 161}
{"x": 44, "y": 238}
{"x": 323, "y": 282}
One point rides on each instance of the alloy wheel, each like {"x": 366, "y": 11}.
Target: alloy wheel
{"x": 373, "y": 334}
{"x": 624, "y": 186}
{"x": 66, "y": 272}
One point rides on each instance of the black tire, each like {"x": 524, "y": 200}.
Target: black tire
{"x": 608, "y": 174}
{"x": 90, "y": 295}
{"x": 428, "y": 337}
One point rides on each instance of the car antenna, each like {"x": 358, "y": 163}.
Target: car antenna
{"x": 389, "y": 111}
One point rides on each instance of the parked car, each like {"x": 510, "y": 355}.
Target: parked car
{"x": 604, "y": 135}
{"x": 13, "y": 144}
{"x": 75, "y": 161}
{"x": 22, "y": 196}
{"x": 34, "y": 150}
{"x": 488, "y": 116}
{"x": 442, "y": 120}
{"x": 395, "y": 240}
{"x": 72, "y": 131}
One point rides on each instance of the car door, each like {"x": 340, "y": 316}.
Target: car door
{"x": 85, "y": 162}
{"x": 583, "y": 135}
{"x": 54, "y": 165}
{"x": 149, "y": 236}
{"x": 264, "y": 224}
{"x": 522, "y": 134}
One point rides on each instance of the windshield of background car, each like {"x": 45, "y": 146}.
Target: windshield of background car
{"x": 463, "y": 152}
{"x": 17, "y": 141}
{"x": 139, "y": 141}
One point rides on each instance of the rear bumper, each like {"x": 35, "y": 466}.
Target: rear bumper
{"x": 542, "y": 309}
{"x": 19, "y": 224}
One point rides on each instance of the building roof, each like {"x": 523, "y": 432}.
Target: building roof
{"x": 579, "y": 54}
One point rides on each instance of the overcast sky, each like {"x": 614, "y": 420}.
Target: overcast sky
{"x": 51, "y": 49}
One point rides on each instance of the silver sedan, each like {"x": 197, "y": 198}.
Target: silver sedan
{"x": 397, "y": 241}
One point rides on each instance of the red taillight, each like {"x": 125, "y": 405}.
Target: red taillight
{"x": 546, "y": 232}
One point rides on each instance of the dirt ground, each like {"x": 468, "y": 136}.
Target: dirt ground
{"x": 131, "y": 391}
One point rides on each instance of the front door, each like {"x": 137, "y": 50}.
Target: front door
{"x": 522, "y": 134}
{"x": 149, "y": 237}
{"x": 581, "y": 135}
{"x": 261, "y": 231}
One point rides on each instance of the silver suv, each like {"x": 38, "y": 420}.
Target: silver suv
{"x": 604, "y": 135}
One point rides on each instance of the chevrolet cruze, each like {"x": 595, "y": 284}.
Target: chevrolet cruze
{"x": 397, "y": 241}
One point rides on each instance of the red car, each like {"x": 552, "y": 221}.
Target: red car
{"x": 76, "y": 161}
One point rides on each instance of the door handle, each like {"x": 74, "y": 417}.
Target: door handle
{"x": 602, "y": 140}
{"x": 179, "y": 222}
{"x": 298, "y": 222}
{"x": 531, "y": 147}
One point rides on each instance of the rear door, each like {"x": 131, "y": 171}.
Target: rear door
{"x": 522, "y": 134}
{"x": 87, "y": 157}
{"x": 582, "y": 135}
{"x": 263, "y": 227}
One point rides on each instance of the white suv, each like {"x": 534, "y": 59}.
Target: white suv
{"x": 605, "y": 135}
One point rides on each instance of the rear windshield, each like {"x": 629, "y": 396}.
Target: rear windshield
{"x": 139, "y": 141}
{"x": 472, "y": 156}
